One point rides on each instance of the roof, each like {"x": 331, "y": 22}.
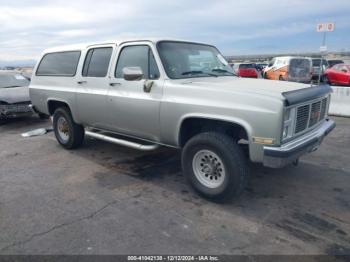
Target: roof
{"x": 110, "y": 42}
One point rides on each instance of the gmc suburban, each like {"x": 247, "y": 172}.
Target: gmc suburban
{"x": 148, "y": 93}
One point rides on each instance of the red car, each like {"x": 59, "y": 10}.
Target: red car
{"x": 246, "y": 70}
{"x": 338, "y": 75}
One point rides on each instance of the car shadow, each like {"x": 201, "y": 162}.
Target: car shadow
{"x": 163, "y": 168}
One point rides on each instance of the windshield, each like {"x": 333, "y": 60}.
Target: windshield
{"x": 317, "y": 62}
{"x": 186, "y": 60}
{"x": 12, "y": 80}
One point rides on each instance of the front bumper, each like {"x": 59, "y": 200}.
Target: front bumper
{"x": 286, "y": 154}
{"x": 15, "y": 110}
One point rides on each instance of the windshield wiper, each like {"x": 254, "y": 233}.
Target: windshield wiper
{"x": 223, "y": 71}
{"x": 197, "y": 72}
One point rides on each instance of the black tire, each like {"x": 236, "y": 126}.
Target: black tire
{"x": 281, "y": 78}
{"x": 74, "y": 132}
{"x": 233, "y": 161}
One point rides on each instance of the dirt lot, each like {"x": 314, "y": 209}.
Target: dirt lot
{"x": 106, "y": 199}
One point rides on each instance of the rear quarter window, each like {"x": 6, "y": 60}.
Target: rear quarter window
{"x": 59, "y": 64}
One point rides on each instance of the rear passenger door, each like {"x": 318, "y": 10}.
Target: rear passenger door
{"x": 131, "y": 110}
{"x": 92, "y": 86}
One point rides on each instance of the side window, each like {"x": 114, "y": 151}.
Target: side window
{"x": 141, "y": 56}
{"x": 97, "y": 62}
{"x": 344, "y": 69}
{"x": 59, "y": 64}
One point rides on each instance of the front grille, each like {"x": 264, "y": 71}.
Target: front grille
{"x": 302, "y": 118}
{"x": 309, "y": 115}
{"x": 315, "y": 113}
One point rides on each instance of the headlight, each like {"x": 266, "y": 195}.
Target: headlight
{"x": 288, "y": 123}
{"x": 286, "y": 114}
{"x": 285, "y": 132}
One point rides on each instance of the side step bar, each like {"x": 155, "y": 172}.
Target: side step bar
{"x": 121, "y": 142}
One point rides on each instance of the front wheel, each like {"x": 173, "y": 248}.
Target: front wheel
{"x": 215, "y": 166}
{"x": 69, "y": 134}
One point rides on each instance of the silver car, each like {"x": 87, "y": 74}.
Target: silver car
{"x": 14, "y": 95}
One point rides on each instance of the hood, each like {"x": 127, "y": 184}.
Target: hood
{"x": 14, "y": 94}
{"x": 256, "y": 86}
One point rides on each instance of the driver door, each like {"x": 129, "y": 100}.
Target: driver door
{"x": 132, "y": 109}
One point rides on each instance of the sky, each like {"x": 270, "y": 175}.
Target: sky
{"x": 235, "y": 27}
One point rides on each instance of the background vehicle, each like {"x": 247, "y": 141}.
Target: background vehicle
{"x": 246, "y": 70}
{"x": 338, "y": 75}
{"x": 319, "y": 67}
{"x": 289, "y": 68}
{"x": 150, "y": 92}
{"x": 14, "y": 95}
{"x": 261, "y": 66}
{"x": 333, "y": 62}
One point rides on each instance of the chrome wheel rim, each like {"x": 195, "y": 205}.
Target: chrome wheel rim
{"x": 208, "y": 168}
{"x": 63, "y": 129}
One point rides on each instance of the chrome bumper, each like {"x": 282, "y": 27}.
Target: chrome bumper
{"x": 286, "y": 154}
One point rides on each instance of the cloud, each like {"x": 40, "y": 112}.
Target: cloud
{"x": 28, "y": 27}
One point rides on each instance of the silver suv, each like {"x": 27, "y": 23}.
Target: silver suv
{"x": 148, "y": 93}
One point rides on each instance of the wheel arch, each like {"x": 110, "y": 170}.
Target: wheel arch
{"x": 54, "y": 103}
{"x": 193, "y": 124}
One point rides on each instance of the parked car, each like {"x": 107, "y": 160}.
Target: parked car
{"x": 338, "y": 75}
{"x": 143, "y": 94}
{"x": 289, "y": 68}
{"x": 319, "y": 67}
{"x": 246, "y": 70}
{"x": 14, "y": 95}
{"x": 333, "y": 62}
{"x": 261, "y": 66}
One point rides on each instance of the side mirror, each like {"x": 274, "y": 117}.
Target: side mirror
{"x": 344, "y": 70}
{"x": 132, "y": 73}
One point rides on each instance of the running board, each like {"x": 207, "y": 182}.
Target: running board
{"x": 121, "y": 142}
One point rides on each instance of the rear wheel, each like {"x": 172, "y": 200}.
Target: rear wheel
{"x": 215, "y": 166}
{"x": 69, "y": 134}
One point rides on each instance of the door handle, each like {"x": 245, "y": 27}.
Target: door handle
{"x": 82, "y": 82}
{"x": 114, "y": 84}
